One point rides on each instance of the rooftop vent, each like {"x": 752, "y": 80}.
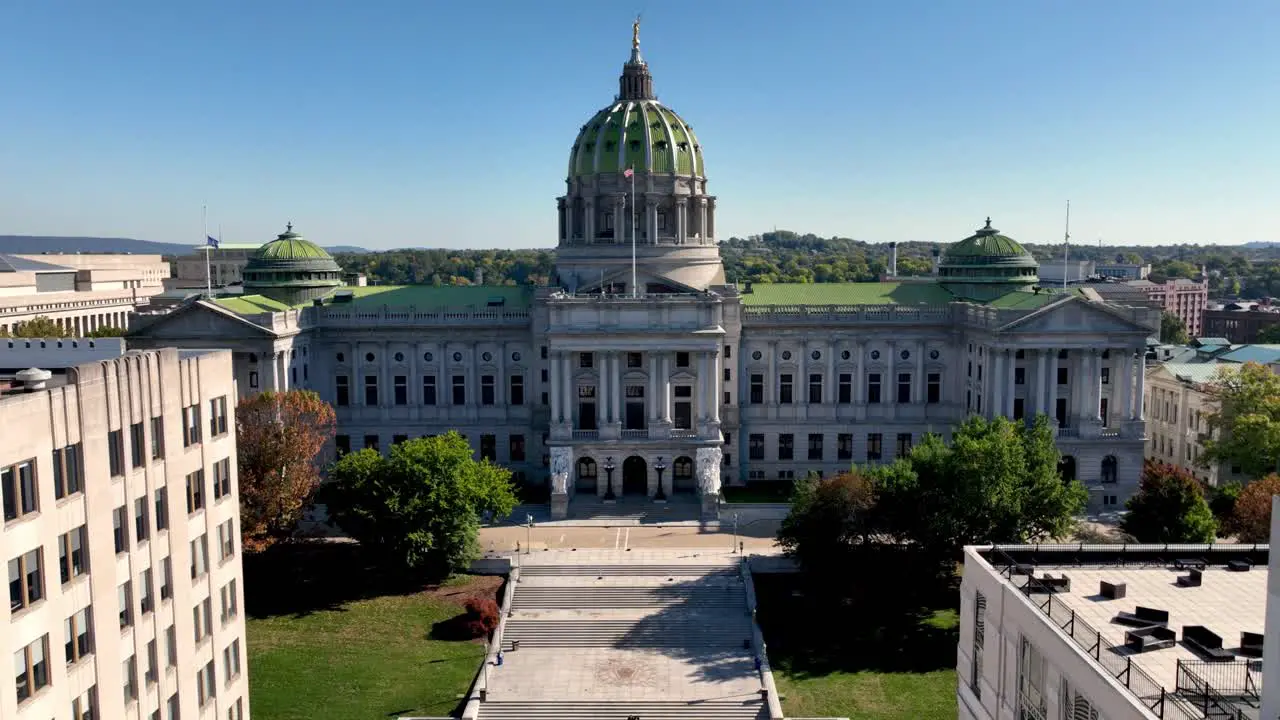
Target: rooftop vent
{"x": 33, "y": 379}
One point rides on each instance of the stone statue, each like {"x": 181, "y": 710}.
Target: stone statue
{"x": 635, "y": 34}
{"x": 561, "y": 466}
{"x": 709, "y": 460}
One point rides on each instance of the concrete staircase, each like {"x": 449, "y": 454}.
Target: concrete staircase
{"x": 645, "y": 709}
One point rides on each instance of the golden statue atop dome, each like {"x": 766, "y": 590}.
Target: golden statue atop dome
{"x": 635, "y": 34}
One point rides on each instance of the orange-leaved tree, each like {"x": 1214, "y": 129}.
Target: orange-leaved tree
{"x": 1251, "y": 519}
{"x": 279, "y": 436}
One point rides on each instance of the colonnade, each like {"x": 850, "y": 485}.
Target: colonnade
{"x": 608, "y": 380}
{"x": 1084, "y": 391}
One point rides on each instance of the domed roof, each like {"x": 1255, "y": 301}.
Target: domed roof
{"x": 987, "y": 263}
{"x": 290, "y": 245}
{"x": 291, "y": 269}
{"x": 988, "y": 247}
{"x": 636, "y": 131}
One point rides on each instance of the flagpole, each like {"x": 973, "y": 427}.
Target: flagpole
{"x": 634, "y": 292}
{"x": 208, "y": 277}
{"x": 1066, "y": 246}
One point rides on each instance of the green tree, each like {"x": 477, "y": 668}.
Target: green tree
{"x": 1172, "y": 330}
{"x": 1169, "y": 507}
{"x": 997, "y": 482}
{"x": 1269, "y": 335}
{"x": 1245, "y": 431}
{"x": 106, "y": 331}
{"x": 419, "y": 508}
{"x": 830, "y": 518}
{"x": 1222, "y": 503}
{"x": 279, "y": 436}
{"x": 39, "y": 326}
{"x": 1251, "y": 514}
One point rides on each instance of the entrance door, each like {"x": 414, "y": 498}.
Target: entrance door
{"x": 682, "y": 479}
{"x": 587, "y": 476}
{"x": 635, "y": 476}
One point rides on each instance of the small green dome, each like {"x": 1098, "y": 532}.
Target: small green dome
{"x": 289, "y": 245}
{"x": 985, "y": 263}
{"x": 291, "y": 269}
{"x": 642, "y": 134}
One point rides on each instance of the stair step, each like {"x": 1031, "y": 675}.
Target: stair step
{"x": 621, "y": 710}
{"x": 629, "y": 570}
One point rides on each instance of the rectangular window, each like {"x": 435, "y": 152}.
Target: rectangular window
{"x": 115, "y": 452}
{"x": 635, "y": 360}
{"x": 166, "y": 579}
{"x": 202, "y": 617}
{"x": 1106, "y": 376}
{"x": 400, "y": 389}
{"x": 221, "y": 478}
{"x": 786, "y": 446}
{"x": 488, "y": 447}
{"x": 31, "y": 665}
{"x": 26, "y": 580}
{"x": 844, "y": 446}
{"x": 206, "y": 681}
{"x": 755, "y": 447}
{"x": 152, "y": 673}
{"x": 120, "y": 528}
{"x": 517, "y": 389}
{"x": 190, "y": 425}
{"x": 124, "y": 596}
{"x": 78, "y": 636}
{"x": 874, "y": 449}
{"x": 229, "y": 602}
{"x": 141, "y": 520}
{"x": 459, "y": 389}
{"x": 845, "y": 389}
{"x": 784, "y": 389}
{"x": 129, "y": 672}
{"x": 371, "y": 442}
{"x": 342, "y": 390}
{"x": 226, "y": 540}
{"x": 67, "y": 479}
{"x": 487, "y": 395}
{"x": 72, "y": 557}
{"x": 873, "y": 388}
{"x": 18, "y": 485}
{"x": 1019, "y": 376}
{"x": 586, "y": 360}
{"x": 253, "y": 378}
{"x": 171, "y": 648}
{"x": 429, "y": 390}
{"x": 85, "y": 707}
{"x": 757, "y": 389}
{"x": 157, "y": 438}
{"x": 199, "y": 556}
{"x": 342, "y": 444}
{"x": 682, "y": 359}
{"x": 1062, "y": 376}
{"x": 371, "y": 390}
{"x": 1018, "y": 408}
{"x": 904, "y": 388}
{"x": 162, "y": 509}
{"x": 815, "y": 446}
{"x": 728, "y": 374}
{"x": 397, "y": 439}
{"x": 231, "y": 660}
{"x": 935, "y": 388}
{"x": 516, "y": 448}
{"x": 218, "y": 416}
{"x": 195, "y": 491}
{"x": 815, "y": 389}
{"x": 146, "y": 599}
{"x": 904, "y": 444}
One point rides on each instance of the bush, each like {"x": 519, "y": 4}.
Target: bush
{"x": 481, "y": 617}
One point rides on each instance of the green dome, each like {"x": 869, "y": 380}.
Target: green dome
{"x": 985, "y": 263}
{"x": 641, "y": 134}
{"x": 289, "y": 245}
{"x": 291, "y": 269}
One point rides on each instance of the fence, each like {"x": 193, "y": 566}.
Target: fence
{"x": 1208, "y": 685}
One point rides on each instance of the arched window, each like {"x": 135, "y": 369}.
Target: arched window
{"x": 1109, "y": 473}
{"x": 586, "y": 469}
{"x": 682, "y": 467}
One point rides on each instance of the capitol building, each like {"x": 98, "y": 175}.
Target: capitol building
{"x": 657, "y": 377}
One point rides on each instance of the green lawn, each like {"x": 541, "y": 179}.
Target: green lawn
{"x": 373, "y": 656}
{"x": 864, "y": 660}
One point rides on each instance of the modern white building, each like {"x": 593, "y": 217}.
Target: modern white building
{"x": 120, "y": 533}
{"x": 79, "y": 292}
{"x": 1058, "y": 632}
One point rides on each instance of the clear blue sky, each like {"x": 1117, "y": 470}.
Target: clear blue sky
{"x": 426, "y": 122}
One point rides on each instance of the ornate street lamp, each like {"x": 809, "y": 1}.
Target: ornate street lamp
{"x": 608, "y": 474}
{"x": 660, "y": 466}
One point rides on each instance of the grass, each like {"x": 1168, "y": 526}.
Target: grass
{"x": 760, "y": 492}
{"x": 861, "y": 658}
{"x": 322, "y": 646}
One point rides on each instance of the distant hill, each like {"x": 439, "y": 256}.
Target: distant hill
{"x": 35, "y": 244}
{"x": 1261, "y": 244}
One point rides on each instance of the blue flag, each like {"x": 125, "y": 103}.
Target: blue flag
{"x": 211, "y": 241}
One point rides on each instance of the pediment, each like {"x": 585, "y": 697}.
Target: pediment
{"x": 1076, "y": 316}
{"x": 201, "y": 319}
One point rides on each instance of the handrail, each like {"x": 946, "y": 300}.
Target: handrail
{"x": 1208, "y": 700}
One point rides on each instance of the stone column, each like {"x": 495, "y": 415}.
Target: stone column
{"x": 621, "y": 223}
{"x": 284, "y": 370}
{"x": 714, "y": 408}
{"x": 275, "y": 375}
{"x": 605, "y": 397}
{"x": 651, "y": 220}
{"x": 500, "y": 382}
{"x": 802, "y": 382}
{"x": 996, "y": 383}
{"x": 704, "y": 236}
{"x": 385, "y": 384}
{"x": 1095, "y": 381}
{"x": 1139, "y": 388}
{"x": 615, "y": 383}
{"x": 473, "y": 379}
{"x": 890, "y": 383}
{"x": 921, "y": 384}
{"x": 830, "y": 383}
{"x": 771, "y": 381}
{"x": 1124, "y": 378}
{"x": 665, "y": 379}
{"x": 1011, "y": 384}
{"x": 589, "y": 220}
{"x": 567, "y": 209}
{"x": 859, "y": 382}
{"x": 682, "y": 219}
{"x": 557, "y": 402}
{"x": 412, "y": 387}
{"x": 566, "y": 387}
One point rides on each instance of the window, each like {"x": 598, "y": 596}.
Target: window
{"x": 371, "y": 390}
{"x": 199, "y": 556}
{"x": 874, "y": 450}
{"x": 516, "y": 448}
{"x": 1031, "y": 675}
{"x": 230, "y": 606}
{"x": 67, "y": 479}
{"x": 1106, "y": 376}
{"x": 786, "y": 446}
{"x": 171, "y": 646}
{"x": 371, "y": 442}
{"x": 202, "y": 615}
{"x": 115, "y": 452}
{"x": 172, "y": 705}
{"x": 845, "y": 390}
{"x": 26, "y": 580}
{"x": 586, "y": 360}
{"x": 1062, "y": 376}
{"x": 1019, "y": 376}
{"x": 488, "y": 447}
{"x": 253, "y": 378}
{"x": 635, "y": 360}
{"x": 342, "y": 394}
{"x": 162, "y": 509}
{"x": 146, "y": 599}
{"x": 190, "y": 425}
{"x": 129, "y": 672}
{"x": 486, "y": 390}
{"x": 31, "y": 665}
{"x": 120, "y": 528}
{"x": 757, "y": 389}
{"x": 226, "y": 540}
{"x": 72, "y": 557}
{"x": 517, "y": 390}
{"x": 218, "y": 416}
{"x": 844, "y": 446}
{"x": 728, "y": 374}
{"x": 815, "y": 446}
{"x": 1018, "y": 408}
{"x": 784, "y": 389}
{"x": 85, "y": 707}
{"x": 206, "y": 684}
{"x": 195, "y": 491}
{"x": 141, "y": 527}
{"x": 221, "y": 479}
{"x": 873, "y": 388}
{"x": 904, "y": 444}
{"x": 682, "y": 359}
{"x": 18, "y": 485}
{"x": 342, "y": 444}
{"x": 397, "y": 439}
{"x": 124, "y": 595}
{"x": 157, "y": 438}
{"x": 815, "y": 388}
{"x": 904, "y": 387}
{"x": 152, "y": 673}
{"x": 1109, "y": 469}
{"x": 935, "y": 388}
{"x": 231, "y": 660}
{"x": 400, "y": 389}
{"x": 755, "y": 447}
{"x": 459, "y": 389}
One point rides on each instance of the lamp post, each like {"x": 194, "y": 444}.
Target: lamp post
{"x": 735, "y": 532}
{"x": 528, "y": 536}
{"x": 608, "y": 474}
{"x": 660, "y": 466}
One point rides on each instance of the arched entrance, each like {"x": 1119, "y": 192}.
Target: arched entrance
{"x": 682, "y": 478}
{"x": 635, "y": 476}
{"x": 587, "y": 474}
{"x": 1067, "y": 468}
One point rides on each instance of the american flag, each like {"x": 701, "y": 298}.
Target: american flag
{"x": 627, "y": 173}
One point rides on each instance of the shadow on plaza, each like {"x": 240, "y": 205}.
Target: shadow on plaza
{"x": 299, "y": 578}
